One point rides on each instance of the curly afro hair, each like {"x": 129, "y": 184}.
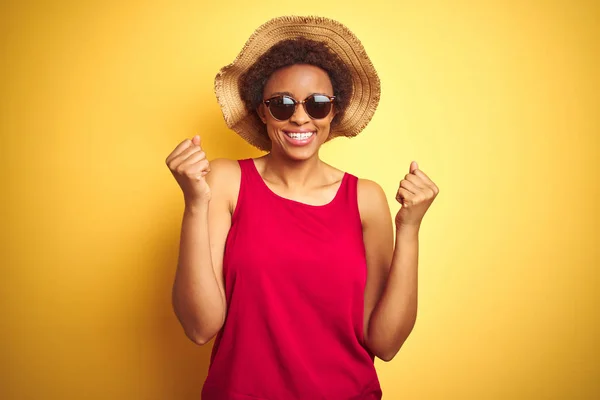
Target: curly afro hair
{"x": 297, "y": 51}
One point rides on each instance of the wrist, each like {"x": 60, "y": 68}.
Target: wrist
{"x": 408, "y": 230}
{"x": 196, "y": 206}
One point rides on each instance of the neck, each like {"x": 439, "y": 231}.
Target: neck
{"x": 284, "y": 171}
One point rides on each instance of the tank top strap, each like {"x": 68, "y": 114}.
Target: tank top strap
{"x": 349, "y": 197}
{"x": 350, "y": 188}
{"x": 247, "y": 183}
{"x": 248, "y": 170}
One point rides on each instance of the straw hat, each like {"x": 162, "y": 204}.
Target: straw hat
{"x": 365, "y": 82}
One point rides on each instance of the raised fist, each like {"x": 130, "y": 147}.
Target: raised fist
{"x": 189, "y": 166}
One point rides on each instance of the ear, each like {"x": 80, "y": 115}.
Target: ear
{"x": 260, "y": 110}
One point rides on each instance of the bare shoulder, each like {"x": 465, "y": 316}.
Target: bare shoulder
{"x": 372, "y": 202}
{"x": 224, "y": 180}
{"x": 225, "y": 166}
{"x": 224, "y": 173}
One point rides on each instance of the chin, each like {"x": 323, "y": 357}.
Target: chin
{"x": 301, "y": 155}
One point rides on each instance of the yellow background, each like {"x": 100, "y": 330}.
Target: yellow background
{"x": 498, "y": 102}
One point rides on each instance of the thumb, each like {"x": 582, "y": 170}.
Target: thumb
{"x": 196, "y": 140}
{"x": 413, "y": 167}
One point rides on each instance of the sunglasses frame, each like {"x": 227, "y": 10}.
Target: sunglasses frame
{"x": 296, "y": 102}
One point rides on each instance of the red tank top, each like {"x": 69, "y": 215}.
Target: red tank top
{"x": 295, "y": 276}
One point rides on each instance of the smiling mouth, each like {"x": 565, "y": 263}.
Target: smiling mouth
{"x": 299, "y": 135}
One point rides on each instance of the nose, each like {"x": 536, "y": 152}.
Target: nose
{"x": 300, "y": 117}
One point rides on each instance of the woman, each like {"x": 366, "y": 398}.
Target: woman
{"x": 289, "y": 261}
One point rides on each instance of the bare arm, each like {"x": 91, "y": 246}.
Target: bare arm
{"x": 395, "y": 312}
{"x": 379, "y": 245}
{"x": 198, "y": 291}
{"x": 391, "y": 291}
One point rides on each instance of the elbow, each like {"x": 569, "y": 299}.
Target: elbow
{"x": 198, "y": 338}
{"x": 198, "y": 332}
{"x": 200, "y": 329}
{"x": 384, "y": 352}
{"x": 201, "y": 335}
{"x": 387, "y": 356}
{"x": 386, "y": 349}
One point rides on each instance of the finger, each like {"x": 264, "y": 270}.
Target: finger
{"x": 430, "y": 184}
{"x": 413, "y": 167}
{"x": 193, "y": 159}
{"x": 415, "y": 181}
{"x": 423, "y": 177}
{"x": 177, "y": 151}
{"x": 408, "y": 185}
{"x": 183, "y": 156}
{"x": 404, "y": 196}
{"x": 200, "y": 168}
{"x": 197, "y": 140}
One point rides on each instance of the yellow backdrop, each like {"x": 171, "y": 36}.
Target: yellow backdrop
{"x": 497, "y": 101}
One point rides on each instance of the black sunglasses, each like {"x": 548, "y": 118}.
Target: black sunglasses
{"x": 282, "y": 107}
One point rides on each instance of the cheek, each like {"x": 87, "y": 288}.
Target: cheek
{"x": 273, "y": 127}
{"x": 324, "y": 125}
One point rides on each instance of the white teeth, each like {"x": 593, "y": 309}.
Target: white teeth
{"x": 300, "y": 136}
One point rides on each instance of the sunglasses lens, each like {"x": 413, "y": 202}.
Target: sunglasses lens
{"x": 282, "y": 107}
{"x": 318, "y": 106}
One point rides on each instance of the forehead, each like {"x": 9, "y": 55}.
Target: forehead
{"x": 300, "y": 80}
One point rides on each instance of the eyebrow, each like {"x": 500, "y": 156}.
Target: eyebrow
{"x": 291, "y": 95}
{"x": 281, "y": 93}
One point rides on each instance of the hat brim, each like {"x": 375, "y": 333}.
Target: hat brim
{"x": 366, "y": 86}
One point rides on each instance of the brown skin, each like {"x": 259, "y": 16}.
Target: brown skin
{"x": 296, "y": 173}
{"x": 291, "y": 171}
{"x": 298, "y": 81}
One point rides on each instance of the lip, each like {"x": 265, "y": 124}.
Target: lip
{"x": 299, "y": 130}
{"x": 297, "y": 142}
